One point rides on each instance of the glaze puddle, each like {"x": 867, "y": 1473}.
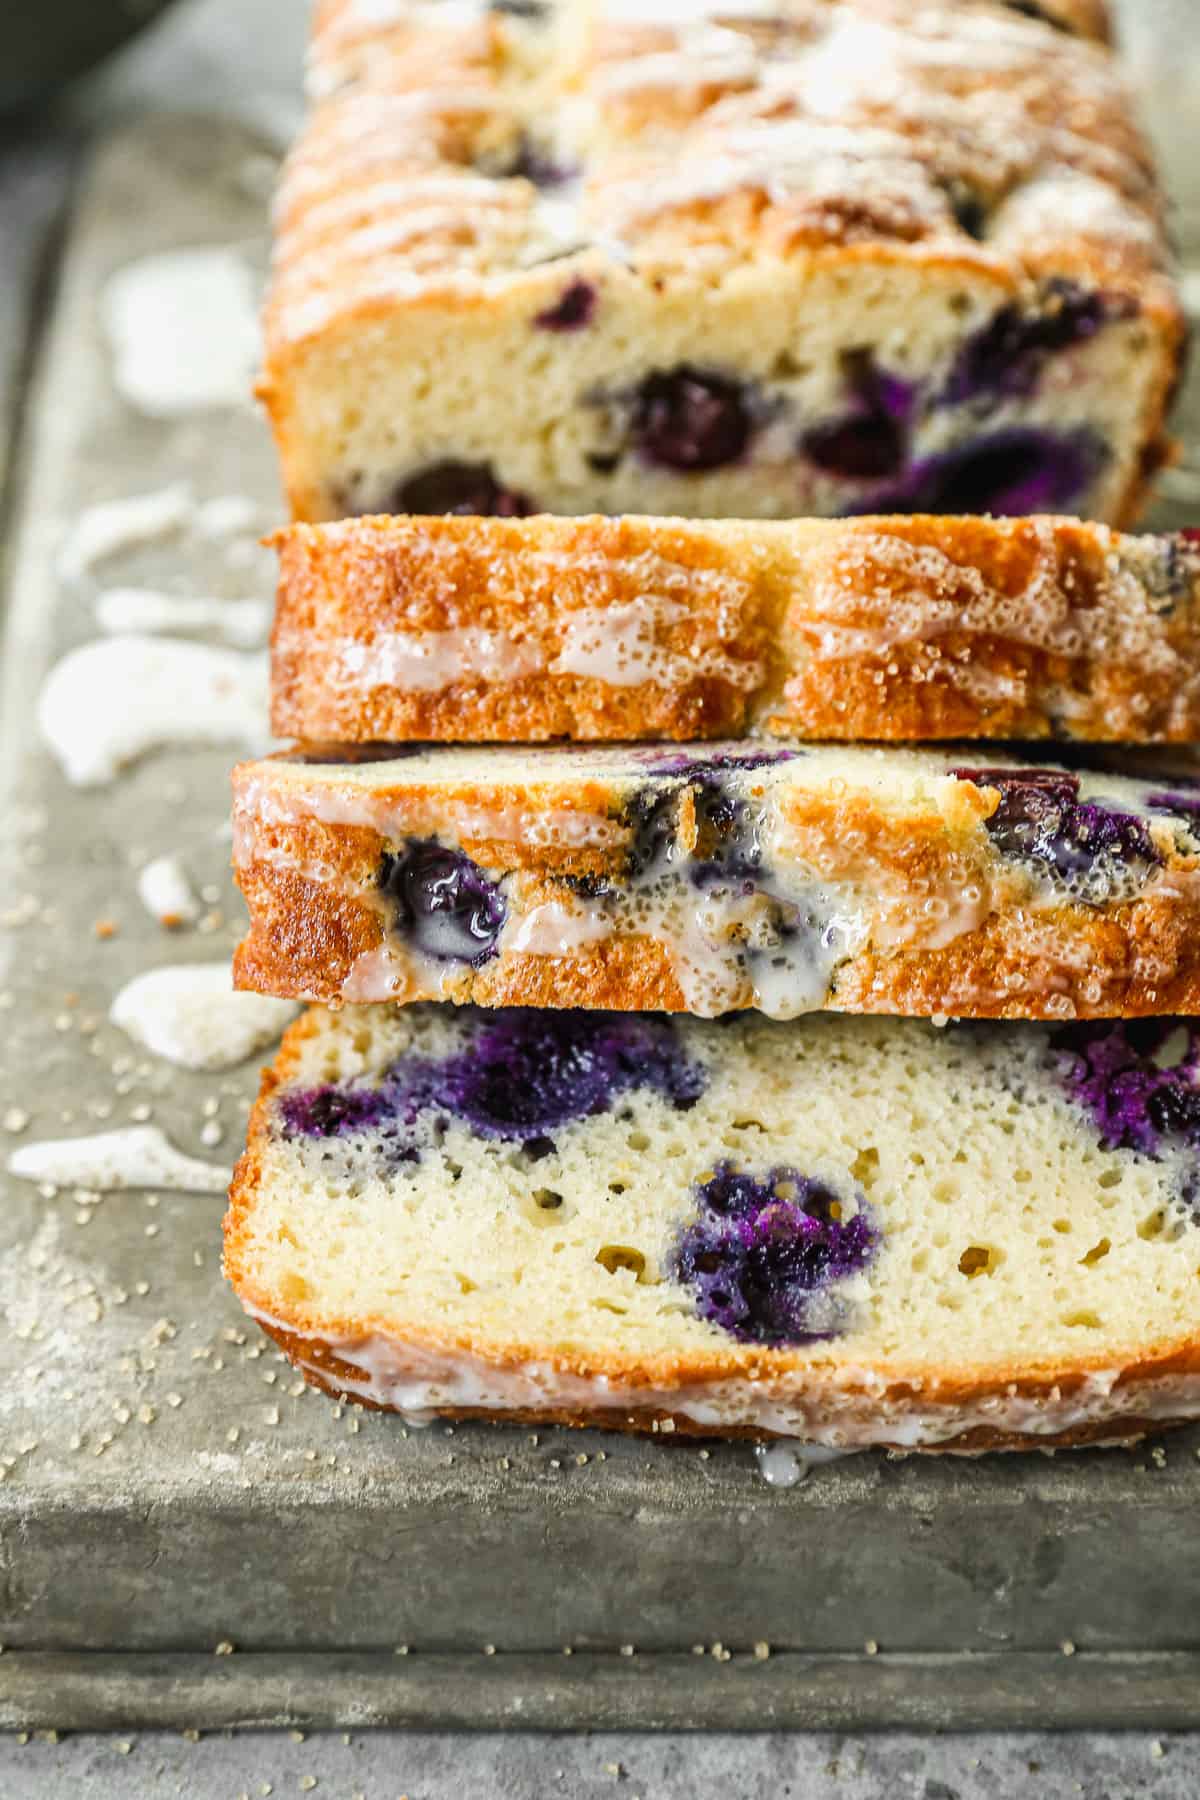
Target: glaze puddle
{"x": 112, "y": 527}
{"x": 190, "y": 1015}
{"x": 785, "y": 1465}
{"x": 242, "y": 623}
{"x": 108, "y": 703}
{"x": 137, "y": 1156}
{"x": 183, "y": 330}
{"x": 167, "y": 894}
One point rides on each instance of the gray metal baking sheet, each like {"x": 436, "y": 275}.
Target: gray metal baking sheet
{"x": 168, "y": 1487}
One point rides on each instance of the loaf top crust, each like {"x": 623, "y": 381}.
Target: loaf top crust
{"x": 453, "y": 151}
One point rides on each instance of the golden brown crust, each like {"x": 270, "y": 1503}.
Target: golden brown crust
{"x": 1013, "y": 104}
{"x": 897, "y": 629}
{"x": 322, "y": 1368}
{"x": 1132, "y": 962}
{"x": 310, "y": 885}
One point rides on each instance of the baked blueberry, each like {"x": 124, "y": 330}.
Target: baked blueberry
{"x": 445, "y": 906}
{"x": 1137, "y": 1079}
{"x": 1018, "y": 470}
{"x": 522, "y": 1075}
{"x": 690, "y": 419}
{"x": 573, "y": 309}
{"x": 870, "y": 441}
{"x": 1041, "y": 819}
{"x": 764, "y": 1251}
{"x": 459, "y": 487}
{"x": 1006, "y": 357}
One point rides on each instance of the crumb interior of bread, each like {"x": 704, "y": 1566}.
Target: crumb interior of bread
{"x": 1009, "y": 1238}
{"x": 376, "y": 402}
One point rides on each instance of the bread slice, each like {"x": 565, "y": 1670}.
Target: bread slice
{"x": 461, "y": 630}
{"x": 858, "y": 1232}
{"x": 708, "y": 878}
{"x": 820, "y": 258}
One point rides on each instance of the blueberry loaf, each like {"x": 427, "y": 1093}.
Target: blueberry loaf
{"x": 456, "y": 629}
{"x": 350, "y": 40}
{"x": 709, "y": 878}
{"x": 856, "y": 1232}
{"x": 815, "y": 258}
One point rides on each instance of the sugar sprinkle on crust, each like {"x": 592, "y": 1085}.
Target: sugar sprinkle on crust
{"x": 711, "y": 877}
{"x": 470, "y": 630}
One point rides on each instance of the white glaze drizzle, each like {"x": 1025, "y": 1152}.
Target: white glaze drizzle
{"x": 841, "y": 1408}
{"x": 135, "y": 1156}
{"x": 107, "y": 703}
{"x": 189, "y": 1014}
{"x": 183, "y": 331}
{"x": 428, "y": 661}
{"x": 619, "y": 645}
{"x": 242, "y": 623}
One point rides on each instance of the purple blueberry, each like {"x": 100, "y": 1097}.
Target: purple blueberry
{"x": 690, "y": 767}
{"x": 446, "y": 907}
{"x": 1183, "y": 798}
{"x": 764, "y": 1251}
{"x": 520, "y": 1075}
{"x": 459, "y": 487}
{"x": 527, "y": 1072}
{"x": 690, "y": 419}
{"x": 1112, "y": 1070}
{"x": 969, "y": 209}
{"x": 728, "y": 851}
{"x": 871, "y": 440}
{"x": 1018, "y": 470}
{"x": 330, "y": 1112}
{"x": 573, "y": 309}
{"x": 1041, "y": 819}
{"x": 1005, "y": 359}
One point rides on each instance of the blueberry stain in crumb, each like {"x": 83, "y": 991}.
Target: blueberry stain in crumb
{"x": 1136, "y": 1079}
{"x": 1005, "y": 358}
{"x": 518, "y": 1076}
{"x": 574, "y": 308}
{"x": 870, "y": 440}
{"x": 1008, "y": 472}
{"x": 765, "y": 1251}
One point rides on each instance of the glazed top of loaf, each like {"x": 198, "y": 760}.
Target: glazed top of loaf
{"x": 454, "y": 147}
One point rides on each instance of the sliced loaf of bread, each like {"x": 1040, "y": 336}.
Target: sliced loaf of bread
{"x": 853, "y": 1231}
{"x": 742, "y": 261}
{"x": 709, "y": 878}
{"x": 468, "y": 630}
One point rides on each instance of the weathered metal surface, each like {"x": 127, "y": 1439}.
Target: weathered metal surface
{"x": 602, "y": 1693}
{"x": 169, "y": 1484}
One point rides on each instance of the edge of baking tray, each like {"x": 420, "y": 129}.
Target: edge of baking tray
{"x": 90, "y": 1691}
